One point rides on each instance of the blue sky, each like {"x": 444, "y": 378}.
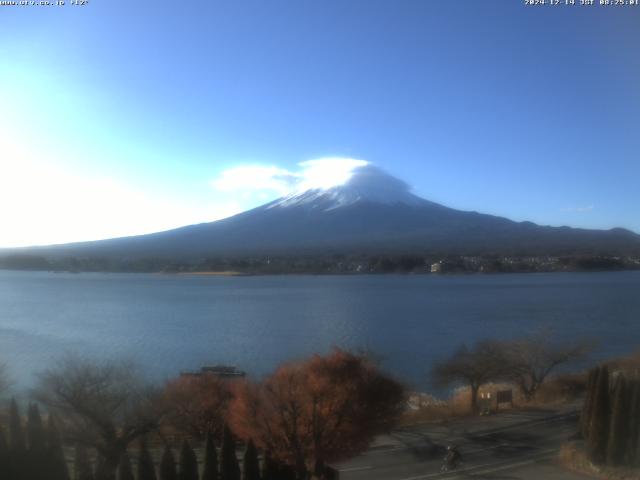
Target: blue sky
{"x": 126, "y": 117}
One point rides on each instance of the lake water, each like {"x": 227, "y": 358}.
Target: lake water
{"x": 170, "y": 323}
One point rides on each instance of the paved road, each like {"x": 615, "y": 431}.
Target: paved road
{"x": 518, "y": 445}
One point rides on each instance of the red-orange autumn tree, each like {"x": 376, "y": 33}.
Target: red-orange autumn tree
{"x": 198, "y": 404}
{"x": 326, "y": 409}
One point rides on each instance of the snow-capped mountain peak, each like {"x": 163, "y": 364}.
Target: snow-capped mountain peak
{"x": 367, "y": 184}
{"x": 369, "y": 212}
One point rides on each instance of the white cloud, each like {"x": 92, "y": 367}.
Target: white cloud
{"x": 585, "y": 209}
{"x": 255, "y": 177}
{"x": 259, "y": 180}
{"x": 327, "y": 172}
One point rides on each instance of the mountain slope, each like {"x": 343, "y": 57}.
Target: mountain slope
{"x": 372, "y": 213}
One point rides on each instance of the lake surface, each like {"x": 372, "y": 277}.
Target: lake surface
{"x": 170, "y": 323}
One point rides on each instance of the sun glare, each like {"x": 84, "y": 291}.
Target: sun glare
{"x": 42, "y": 204}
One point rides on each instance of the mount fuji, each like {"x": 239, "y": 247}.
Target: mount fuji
{"x": 372, "y": 212}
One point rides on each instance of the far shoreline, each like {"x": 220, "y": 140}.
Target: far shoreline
{"x": 234, "y": 273}
{"x": 227, "y": 273}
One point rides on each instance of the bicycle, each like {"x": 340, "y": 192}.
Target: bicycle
{"x": 452, "y": 460}
{"x": 449, "y": 467}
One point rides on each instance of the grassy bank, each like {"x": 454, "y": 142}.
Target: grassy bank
{"x": 573, "y": 457}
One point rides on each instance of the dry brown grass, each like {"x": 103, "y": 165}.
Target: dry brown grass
{"x": 433, "y": 413}
{"x": 630, "y": 363}
{"x": 558, "y": 390}
{"x": 561, "y": 389}
{"x": 573, "y": 457}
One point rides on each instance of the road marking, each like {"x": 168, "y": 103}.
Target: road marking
{"x": 355, "y": 469}
{"x": 512, "y": 444}
{"x": 517, "y": 426}
{"x": 528, "y": 419}
{"x": 466, "y": 435}
{"x": 440, "y": 474}
{"x": 496, "y": 467}
{"x": 458, "y": 440}
{"x": 390, "y": 449}
{"x": 504, "y": 467}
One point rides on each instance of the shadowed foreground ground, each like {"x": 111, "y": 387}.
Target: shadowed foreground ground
{"x": 520, "y": 445}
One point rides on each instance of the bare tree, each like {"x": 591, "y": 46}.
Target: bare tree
{"x": 104, "y": 406}
{"x": 531, "y": 359}
{"x": 198, "y": 405}
{"x": 475, "y": 366}
{"x": 4, "y": 380}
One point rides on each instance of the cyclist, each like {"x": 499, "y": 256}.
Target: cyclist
{"x": 452, "y": 459}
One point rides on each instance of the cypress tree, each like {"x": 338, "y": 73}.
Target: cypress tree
{"x": 124, "y": 468}
{"x": 286, "y": 472}
{"x": 319, "y": 468}
{"x": 35, "y": 431}
{"x": 15, "y": 429}
{"x": 4, "y": 448}
{"x": 101, "y": 472}
{"x": 57, "y": 462}
{"x": 229, "y": 468}
{"x": 600, "y": 419}
{"x": 168, "y": 465}
{"x": 146, "y": 470}
{"x": 18, "y": 464}
{"x": 4, "y": 457}
{"x": 634, "y": 424}
{"x": 210, "y": 471}
{"x": 269, "y": 468}
{"x": 188, "y": 463}
{"x": 36, "y": 458}
{"x": 82, "y": 465}
{"x": 251, "y": 466}
{"x": 618, "y": 430}
{"x": 587, "y": 409}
